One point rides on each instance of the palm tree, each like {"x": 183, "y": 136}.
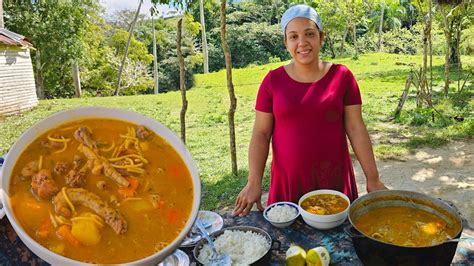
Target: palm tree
{"x": 130, "y": 34}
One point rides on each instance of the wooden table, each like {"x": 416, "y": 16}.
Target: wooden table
{"x": 339, "y": 245}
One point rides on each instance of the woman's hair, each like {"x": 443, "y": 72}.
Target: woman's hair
{"x": 300, "y": 11}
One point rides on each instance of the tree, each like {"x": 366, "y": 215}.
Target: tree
{"x": 379, "y": 46}
{"x": 230, "y": 87}
{"x": 454, "y": 17}
{"x": 132, "y": 26}
{"x": 424, "y": 93}
{"x": 59, "y": 32}
{"x": 204, "y": 38}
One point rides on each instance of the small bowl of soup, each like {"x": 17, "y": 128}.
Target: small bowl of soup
{"x": 324, "y": 208}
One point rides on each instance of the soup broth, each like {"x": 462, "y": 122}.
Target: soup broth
{"x": 405, "y": 226}
{"x": 101, "y": 191}
{"x": 324, "y": 204}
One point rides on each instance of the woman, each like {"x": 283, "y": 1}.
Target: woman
{"x": 307, "y": 108}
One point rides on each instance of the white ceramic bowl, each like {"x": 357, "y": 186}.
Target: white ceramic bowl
{"x": 95, "y": 112}
{"x": 324, "y": 222}
{"x": 284, "y": 223}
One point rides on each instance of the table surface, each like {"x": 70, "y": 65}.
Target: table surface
{"x": 339, "y": 245}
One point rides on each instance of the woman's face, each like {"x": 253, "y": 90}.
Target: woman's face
{"x": 303, "y": 40}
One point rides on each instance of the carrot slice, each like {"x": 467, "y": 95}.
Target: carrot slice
{"x": 64, "y": 233}
{"x": 131, "y": 190}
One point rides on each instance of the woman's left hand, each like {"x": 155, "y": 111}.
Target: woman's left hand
{"x": 375, "y": 185}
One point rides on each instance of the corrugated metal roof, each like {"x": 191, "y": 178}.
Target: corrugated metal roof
{"x": 10, "y": 38}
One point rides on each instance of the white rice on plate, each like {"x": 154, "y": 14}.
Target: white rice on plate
{"x": 242, "y": 247}
{"x": 281, "y": 213}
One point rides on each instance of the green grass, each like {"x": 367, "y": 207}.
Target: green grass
{"x": 381, "y": 79}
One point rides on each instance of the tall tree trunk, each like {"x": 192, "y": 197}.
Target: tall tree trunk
{"x": 423, "y": 85}
{"x": 204, "y": 38}
{"x": 343, "y": 41}
{"x": 447, "y": 36}
{"x": 458, "y": 51}
{"x": 330, "y": 43}
{"x": 430, "y": 44}
{"x": 2, "y": 25}
{"x": 382, "y": 6}
{"x": 155, "y": 64}
{"x": 130, "y": 34}
{"x": 182, "y": 82}
{"x": 352, "y": 26}
{"x": 77, "y": 79}
{"x": 230, "y": 87}
{"x": 39, "y": 76}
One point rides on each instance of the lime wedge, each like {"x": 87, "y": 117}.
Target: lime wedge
{"x": 295, "y": 256}
{"x": 318, "y": 256}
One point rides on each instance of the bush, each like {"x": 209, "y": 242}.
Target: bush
{"x": 402, "y": 41}
{"x": 249, "y": 43}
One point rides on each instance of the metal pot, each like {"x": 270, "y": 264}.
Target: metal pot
{"x": 84, "y": 113}
{"x": 264, "y": 260}
{"x": 374, "y": 252}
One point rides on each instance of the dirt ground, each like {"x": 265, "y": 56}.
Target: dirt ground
{"x": 446, "y": 173}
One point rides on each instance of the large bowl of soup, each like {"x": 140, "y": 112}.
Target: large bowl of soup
{"x": 324, "y": 208}
{"x": 395, "y": 227}
{"x": 100, "y": 186}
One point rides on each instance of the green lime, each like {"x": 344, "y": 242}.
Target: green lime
{"x": 318, "y": 256}
{"x": 295, "y": 256}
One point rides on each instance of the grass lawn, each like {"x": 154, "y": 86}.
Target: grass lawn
{"x": 381, "y": 78}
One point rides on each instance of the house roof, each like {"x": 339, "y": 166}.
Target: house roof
{"x": 10, "y": 38}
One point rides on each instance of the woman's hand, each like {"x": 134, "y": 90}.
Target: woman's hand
{"x": 374, "y": 185}
{"x": 249, "y": 195}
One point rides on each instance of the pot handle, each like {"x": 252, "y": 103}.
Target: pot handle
{"x": 2, "y": 210}
{"x": 275, "y": 245}
{"x": 452, "y": 206}
{"x": 352, "y": 232}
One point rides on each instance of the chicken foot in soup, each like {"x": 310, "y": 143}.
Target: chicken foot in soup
{"x": 83, "y": 135}
{"x": 108, "y": 169}
{"x": 90, "y": 200}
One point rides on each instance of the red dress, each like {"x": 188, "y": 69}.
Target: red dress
{"x": 309, "y": 144}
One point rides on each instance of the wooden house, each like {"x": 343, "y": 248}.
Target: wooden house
{"x": 17, "y": 82}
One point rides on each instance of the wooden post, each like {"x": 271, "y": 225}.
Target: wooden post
{"x": 182, "y": 82}
{"x": 230, "y": 87}
{"x": 404, "y": 95}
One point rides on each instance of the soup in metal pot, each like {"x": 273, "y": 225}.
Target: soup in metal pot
{"x": 405, "y": 226}
{"x": 101, "y": 191}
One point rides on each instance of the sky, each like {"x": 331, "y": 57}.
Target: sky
{"x": 111, "y": 6}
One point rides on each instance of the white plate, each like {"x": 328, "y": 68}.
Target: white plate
{"x": 178, "y": 258}
{"x": 211, "y": 220}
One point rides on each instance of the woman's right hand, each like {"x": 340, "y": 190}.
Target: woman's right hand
{"x": 249, "y": 195}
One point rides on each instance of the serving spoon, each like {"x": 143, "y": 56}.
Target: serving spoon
{"x": 215, "y": 259}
